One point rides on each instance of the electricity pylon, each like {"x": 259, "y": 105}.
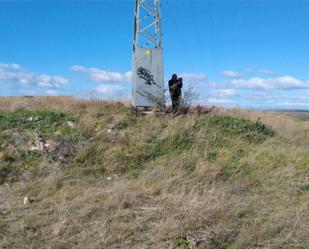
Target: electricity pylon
{"x": 147, "y": 24}
{"x": 147, "y": 74}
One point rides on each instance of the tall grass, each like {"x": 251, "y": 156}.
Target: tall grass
{"x": 229, "y": 179}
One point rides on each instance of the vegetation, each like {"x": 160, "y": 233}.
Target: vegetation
{"x": 110, "y": 178}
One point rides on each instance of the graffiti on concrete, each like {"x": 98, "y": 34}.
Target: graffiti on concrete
{"x": 145, "y": 74}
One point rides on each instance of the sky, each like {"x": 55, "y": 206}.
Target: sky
{"x": 243, "y": 54}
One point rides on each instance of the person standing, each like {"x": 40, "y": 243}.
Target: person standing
{"x": 175, "y": 85}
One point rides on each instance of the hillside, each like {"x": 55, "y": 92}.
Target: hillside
{"x": 93, "y": 174}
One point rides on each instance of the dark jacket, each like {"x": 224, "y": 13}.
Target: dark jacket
{"x": 175, "y": 87}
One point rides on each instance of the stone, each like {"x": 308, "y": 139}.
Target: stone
{"x": 71, "y": 124}
{"x": 27, "y": 200}
{"x": 34, "y": 148}
{"x": 49, "y": 145}
{"x": 7, "y": 186}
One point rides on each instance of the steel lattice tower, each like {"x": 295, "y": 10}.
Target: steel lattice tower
{"x": 147, "y": 74}
{"x": 147, "y": 24}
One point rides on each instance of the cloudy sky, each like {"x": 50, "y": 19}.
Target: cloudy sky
{"x": 250, "y": 54}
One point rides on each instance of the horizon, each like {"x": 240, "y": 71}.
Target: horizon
{"x": 235, "y": 54}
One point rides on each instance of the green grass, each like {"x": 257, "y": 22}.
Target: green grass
{"x": 46, "y": 121}
{"x": 218, "y": 132}
{"x": 182, "y": 242}
{"x": 246, "y": 129}
{"x": 14, "y": 164}
{"x": 18, "y": 134}
{"x": 123, "y": 180}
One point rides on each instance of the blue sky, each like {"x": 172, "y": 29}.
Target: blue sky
{"x": 249, "y": 54}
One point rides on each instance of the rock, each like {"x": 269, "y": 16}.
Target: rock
{"x": 109, "y": 131}
{"x": 30, "y": 119}
{"x": 33, "y": 119}
{"x": 27, "y": 200}
{"x": 38, "y": 141}
{"x": 49, "y": 145}
{"x": 71, "y": 124}
{"x": 34, "y": 148}
{"x": 7, "y": 186}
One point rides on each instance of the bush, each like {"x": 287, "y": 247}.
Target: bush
{"x": 251, "y": 131}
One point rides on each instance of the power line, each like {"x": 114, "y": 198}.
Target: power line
{"x": 195, "y": 15}
{"x": 186, "y": 52}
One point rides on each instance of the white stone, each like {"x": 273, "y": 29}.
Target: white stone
{"x": 71, "y": 124}
{"x": 26, "y": 200}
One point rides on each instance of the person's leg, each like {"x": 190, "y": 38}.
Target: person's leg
{"x": 173, "y": 104}
{"x": 178, "y": 101}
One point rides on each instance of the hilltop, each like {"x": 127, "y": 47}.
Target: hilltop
{"x": 94, "y": 174}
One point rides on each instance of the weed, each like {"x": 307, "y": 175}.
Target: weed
{"x": 125, "y": 123}
{"x": 182, "y": 242}
{"x": 89, "y": 160}
{"x": 255, "y": 132}
{"x": 29, "y": 155}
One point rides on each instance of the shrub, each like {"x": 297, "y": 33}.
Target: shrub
{"x": 251, "y": 131}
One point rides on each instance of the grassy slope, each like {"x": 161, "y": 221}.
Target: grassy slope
{"x": 118, "y": 180}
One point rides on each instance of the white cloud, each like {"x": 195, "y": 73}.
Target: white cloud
{"x": 225, "y": 92}
{"x": 77, "y": 68}
{"x": 258, "y": 92}
{"x": 231, "y": 74}
{"x": 259, "y": 71}
{"x": 265, "y": 71}
{"x": 292, "y": 104}
{"x": 10, "y": 65}
{"x": 218, "y": 101}
{"x": 190, "y": 78}
{"x": 48, "y": 81}
{"x": 52, "y": 92}
{"x": 103, "y": 76}
{"x": 109, "y": 89}
{"x": 15, "y": 75}
{"x": 284, "y": 82}
{"x": 112, "y": 91}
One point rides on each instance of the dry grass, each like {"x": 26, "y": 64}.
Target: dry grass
{"x": 160, "y": 182}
